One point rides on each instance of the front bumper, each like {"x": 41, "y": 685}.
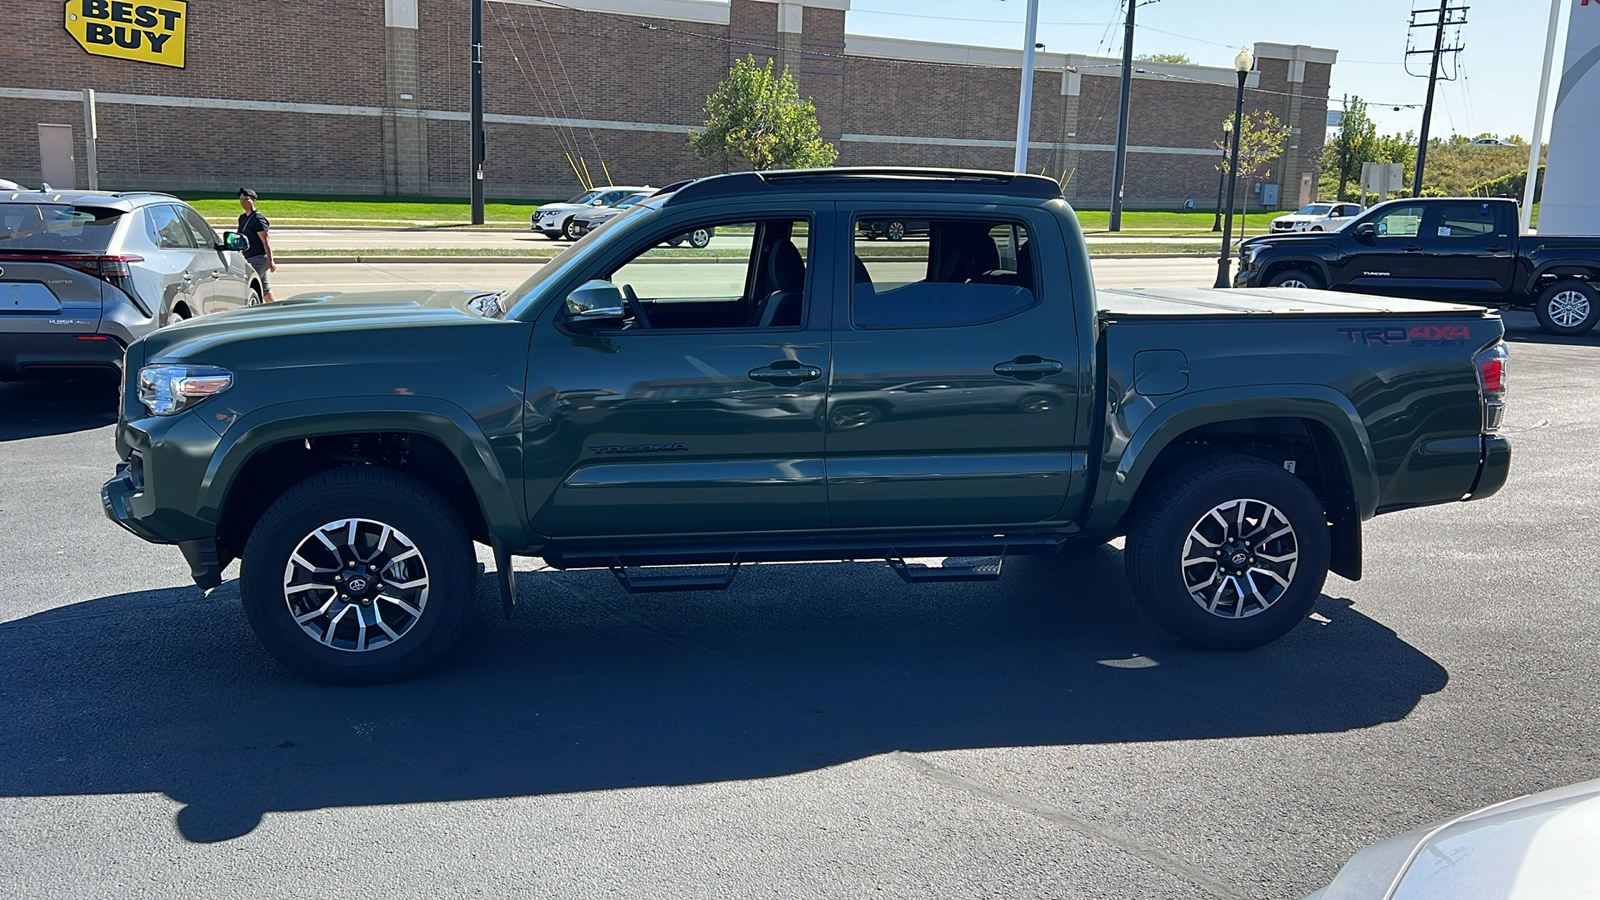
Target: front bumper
{"x": 155, "y": 493}
{"x": 32, "y": 355}
{"x": 1245, "y": 277}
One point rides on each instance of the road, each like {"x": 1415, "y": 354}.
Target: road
{"x": 815, "y": 731}
{"x": 307, "y": 277}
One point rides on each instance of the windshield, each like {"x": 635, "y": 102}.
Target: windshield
{"x": 584, "y": 197}
{"x": 630, "y": 201}
{"x": 519, "y": 301}
{"x": 1315, "y": 209}
{"x": 54, "y": 226}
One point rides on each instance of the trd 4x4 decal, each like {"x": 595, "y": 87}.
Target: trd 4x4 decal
{"x": 1415, "y": 336}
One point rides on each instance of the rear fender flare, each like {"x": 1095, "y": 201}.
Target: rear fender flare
{"x": 1119, "y": 483}
{"x": 1531, "y": 289}
{"x": 444, "y": 422}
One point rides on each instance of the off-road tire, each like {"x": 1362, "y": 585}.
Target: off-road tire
{"x": 1160, "y": 526}
{"x": 383, "y": 496}
{"x": 1560, "y": 308}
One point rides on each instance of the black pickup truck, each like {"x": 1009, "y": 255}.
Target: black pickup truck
{"x": 803, "y": 394}
{"x": 1459, "y": 249}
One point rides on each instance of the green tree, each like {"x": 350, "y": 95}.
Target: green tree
{"x": 1261, "y": 141}
{"x": 1181, "y": 59}
{"x": 758, "y": 116}
{"x": 1355, "y": 143}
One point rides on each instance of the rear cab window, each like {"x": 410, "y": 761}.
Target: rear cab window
{"x": 943, "y": 272}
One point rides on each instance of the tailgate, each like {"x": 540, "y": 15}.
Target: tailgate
{"x": 38, "y": 297}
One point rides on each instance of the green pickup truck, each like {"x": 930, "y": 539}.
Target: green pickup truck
{"x": 795, "y": 391}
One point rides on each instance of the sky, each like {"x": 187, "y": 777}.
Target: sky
{"x": 1495, "y": 91}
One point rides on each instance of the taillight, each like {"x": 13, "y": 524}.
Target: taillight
{"x": 100, "y": 266}
{"x": 1491, "y": 364}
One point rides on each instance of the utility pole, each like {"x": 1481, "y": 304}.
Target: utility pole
{"x": 1119, "y": 163}
{"x": 1025, "y": 102}
{"x": 1446, "y": 15}
{"x": 91, "y": 139}
{"x": 477, "y": 112}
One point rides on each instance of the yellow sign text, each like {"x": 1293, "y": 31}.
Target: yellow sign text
{"x": 149, "y": 31}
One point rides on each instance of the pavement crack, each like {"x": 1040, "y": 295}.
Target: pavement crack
{"x": 1126, "y": 843}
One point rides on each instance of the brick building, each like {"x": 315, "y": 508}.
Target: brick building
{"x": 371, "y": 97}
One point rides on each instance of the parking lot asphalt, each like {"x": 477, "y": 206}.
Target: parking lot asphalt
{"x": 816, "y": 731}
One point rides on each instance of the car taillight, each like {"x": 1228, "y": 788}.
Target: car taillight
{"x": 1491, "y": 365}
{"x": 107, "y": 267}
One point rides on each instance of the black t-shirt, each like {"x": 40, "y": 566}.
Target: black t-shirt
{"x": 251, "y": 226}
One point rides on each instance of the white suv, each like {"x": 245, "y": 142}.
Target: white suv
{"x": 1324, "y": 215}
{"x": 554, "y": 220}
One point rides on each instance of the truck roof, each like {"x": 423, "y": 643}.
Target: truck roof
{"x": 864, "y": 179}
{"x": 1140, "y": 302}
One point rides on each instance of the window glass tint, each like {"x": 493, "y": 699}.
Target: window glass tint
{"x": 166, "y": 229}
{"x": 43, "y": 226}
{"x": 746, "y": 275}
{"x": 203, "y": 235}
{"x": 941, "y": 273}
{"x": 1400, "y": 221}
{"x": 1466, "y": 220}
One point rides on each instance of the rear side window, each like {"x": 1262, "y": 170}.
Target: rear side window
{"x": 166, "y": 228}
{"x": 54, "y": 226}
{"x": 940, "y": 273}
{"x": 1466, "y": 220}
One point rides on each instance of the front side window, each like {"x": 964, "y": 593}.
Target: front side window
{"x": 203, "y": 234}
{"x": 750, "y": 274}
{"x": 969, "y": 272}
{"x": 1400, "y": 221}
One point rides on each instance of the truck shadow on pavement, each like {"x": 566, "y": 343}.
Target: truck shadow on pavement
{"x": 793, "y": 669}
{"x": 31, "y": 409}
{"x": 1523, "y": 328}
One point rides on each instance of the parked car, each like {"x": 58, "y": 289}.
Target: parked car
{"x": 892, "y": 229}
{"x": 554, "y": 220}
{"x": 1457, "y": 249}
{"x": 595, "y": 417}
{"x": 1490, "y": 142}
{"x": 84, "y": 274}
{"x": 1537, "y": 846}
{"x": 10, "y": 186}
{"x": 586, "y": 221}
{"x": 1323, "y": 215}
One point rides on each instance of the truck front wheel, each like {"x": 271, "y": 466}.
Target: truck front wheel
{"x": 1294, "y": 278}
{"x": 1228, "y": 552}
{"x": 1568, "y": 308}
{"x": 358, "y": 575}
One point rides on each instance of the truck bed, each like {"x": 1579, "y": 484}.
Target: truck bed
{"x": 1168, "y": 302}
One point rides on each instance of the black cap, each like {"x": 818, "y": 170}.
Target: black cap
{"x": 246, "y": 192}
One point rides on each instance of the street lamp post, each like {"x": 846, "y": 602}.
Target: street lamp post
{"x": 1242, "y": 65}
{"x": 1222, "y": 172}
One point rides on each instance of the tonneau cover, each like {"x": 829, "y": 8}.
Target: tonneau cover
{"x": 1125, "y": 302}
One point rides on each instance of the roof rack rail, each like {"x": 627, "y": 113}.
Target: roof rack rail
{"x": 892, "y": 178}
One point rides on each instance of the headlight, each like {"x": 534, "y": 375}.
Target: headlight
{"x": 169, "y": 390}
{"x": 1254, "y": 250}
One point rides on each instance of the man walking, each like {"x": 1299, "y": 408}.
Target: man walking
{"x": 254, "y": 228}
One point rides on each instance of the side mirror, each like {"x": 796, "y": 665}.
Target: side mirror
{"x": 1366, "y": 231}
{"x": 231, "y": 241}
{"x": 596, "y": 302}
{"x": 598, "y": 201}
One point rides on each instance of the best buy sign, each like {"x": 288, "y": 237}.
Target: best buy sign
{"x": 149, "y": 31}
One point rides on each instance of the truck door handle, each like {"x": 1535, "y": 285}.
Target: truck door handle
{"x": 1412, "y": 249}
{"x": 1029, "y": 368}
{"x": 1497, "y": 248}
{"x": 786, "y": 373}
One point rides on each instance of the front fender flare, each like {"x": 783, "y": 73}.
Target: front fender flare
{"x": 444, "y": 422}
{"x": 1120, "y": 482}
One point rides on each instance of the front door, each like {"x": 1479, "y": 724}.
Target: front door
{"x": 699, "y": 410}
{"x": 227, "y": 285}
{"x": 1390, "y": 261}
{"x": 955, "y": 372}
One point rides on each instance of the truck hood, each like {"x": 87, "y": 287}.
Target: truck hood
{"x": 330, "y": 313}
{"x": 1294, "y": 238}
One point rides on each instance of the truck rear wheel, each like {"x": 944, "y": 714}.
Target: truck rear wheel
{"x": 1568, "y": 308}
{"x": 1228, "y": 552}
{"x": 358, "y": 575}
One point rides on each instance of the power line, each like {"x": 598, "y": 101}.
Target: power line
{"x": 1444, "y": 16}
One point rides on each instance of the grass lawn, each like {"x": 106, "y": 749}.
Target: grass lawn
{"x": 908, "y": 251}
{"x": 370, "y": 211}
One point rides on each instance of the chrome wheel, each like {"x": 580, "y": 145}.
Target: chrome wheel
{"x": 1293, "y": 283}
{"x": 1240, "y": 558}
{"x": 356, "y": 585}
{"x": 897, "y": 231}
{"x": 1568, "y": 309}
{"x": 700, "y": 238}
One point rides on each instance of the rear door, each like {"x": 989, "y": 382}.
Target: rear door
{"x": 184, "y": 279}
{"x": 954, "y": 386}
{"x": 226, "y": 281}
{"x": 1469, "y": 250}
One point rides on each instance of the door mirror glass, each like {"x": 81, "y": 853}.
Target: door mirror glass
{"x": 1366, "y": 231}
{"x": 231, "y": 241}
{"x": 596, "y": 301}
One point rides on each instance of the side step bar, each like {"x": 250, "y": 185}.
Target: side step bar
{"x": 982, "y": 569}
{"x": 654, "y": 583}
{"x": 598, "y": 555}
